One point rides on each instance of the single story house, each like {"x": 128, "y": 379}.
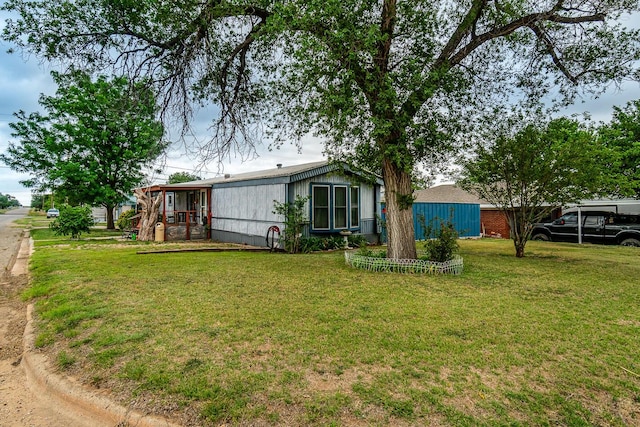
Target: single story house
{"x": 239, "y": 208}
{"x": 99, "y": 213}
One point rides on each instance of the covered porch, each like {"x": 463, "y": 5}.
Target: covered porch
{"x": 185, "y": 211}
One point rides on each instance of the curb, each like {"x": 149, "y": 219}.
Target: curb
{"x": 74, "y": 400}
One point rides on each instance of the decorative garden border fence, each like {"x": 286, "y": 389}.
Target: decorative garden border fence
{"x": 379, "y": 263}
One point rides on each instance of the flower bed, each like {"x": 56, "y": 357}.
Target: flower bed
{"x": 379, "y": 263}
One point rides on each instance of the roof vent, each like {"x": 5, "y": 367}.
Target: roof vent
{"x": 279, "y": 165}
{"x": 227, "y": 176}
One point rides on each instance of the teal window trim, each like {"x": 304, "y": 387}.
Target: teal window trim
{"x": 343, "y": 210}
{"x": 321, "y": 210}
{"x": 354, "y": 208}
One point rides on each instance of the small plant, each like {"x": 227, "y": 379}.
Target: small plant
{"x": 365, "y": 251}
{"x": 73, "y": 220}
{"x": 444, "y": 245}
{"x": 334, "y": 242}
{"x": 357, "y": 241}
{"x": 65, "y": 360}
{"x": 313, "y": 243}
{"x": 310, "y": 244}
{"x": 294, "y": 221}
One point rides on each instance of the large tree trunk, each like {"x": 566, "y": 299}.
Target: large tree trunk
{"x": 110, "y": 224}
{"x": 149, "y": 213}
{"x": 401, "y": 241}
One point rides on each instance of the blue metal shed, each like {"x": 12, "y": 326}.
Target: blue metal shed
{"x": 465, "y": 217}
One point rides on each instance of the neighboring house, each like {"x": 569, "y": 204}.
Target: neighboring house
{"x": 239, "y": 208}
{"x": 99, "y": 213}
{"x": 492, "y": 222}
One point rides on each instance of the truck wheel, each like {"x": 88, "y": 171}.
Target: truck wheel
{"x": 630, "y": 242}
{"x": 540, "y": 236}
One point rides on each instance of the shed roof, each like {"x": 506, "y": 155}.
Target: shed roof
{"x": 447, "y": 193}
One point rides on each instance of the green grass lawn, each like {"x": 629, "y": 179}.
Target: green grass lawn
{"x": 262, "y": 338}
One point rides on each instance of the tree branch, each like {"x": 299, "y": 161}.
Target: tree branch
{"x": 550, "y": 48}
{"x": 450, "y": 58}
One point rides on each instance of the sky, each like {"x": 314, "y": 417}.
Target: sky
{"x": 23, "y": 79}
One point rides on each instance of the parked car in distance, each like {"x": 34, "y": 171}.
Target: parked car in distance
{"x": 597, "y": 227}
{"x": 53, "y": 213}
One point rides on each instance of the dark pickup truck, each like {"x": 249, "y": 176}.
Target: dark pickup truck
{"x": 597, "y": 227}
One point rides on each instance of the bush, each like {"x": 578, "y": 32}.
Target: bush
{"x": 294, "y": 221}
{"x": 124, "y": 221}
{"x": 73, "y": 220}
{"x": 313, "y": 243}
{"x": 445, "y": 244}
{"x": 357, "y": 241}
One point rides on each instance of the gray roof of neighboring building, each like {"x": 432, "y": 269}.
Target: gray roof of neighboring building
{"x": 447, "y": 193}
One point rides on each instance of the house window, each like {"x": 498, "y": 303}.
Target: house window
{"x": 334, "y": 207}
{"x": 340, "y": 207}
{"x": 355, "y": 206}
{"x": 320, "y": 202}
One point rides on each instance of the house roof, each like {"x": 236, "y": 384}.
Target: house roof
{"x": 290, "y": 173}
{"x": 447, "y": 193}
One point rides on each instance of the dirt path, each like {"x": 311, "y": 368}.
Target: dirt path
{"x": 18, "y": 405}
{"x": 31, "y": 394}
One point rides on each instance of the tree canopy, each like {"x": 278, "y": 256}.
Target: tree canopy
{"x": 390, "y": 85}
{"x": 531, "y": 168}
{"x": 8, "y": 201}
{"x": 178, "y": 177}
{"x": 92, "y": 143}
{"x": 622, "y": 136}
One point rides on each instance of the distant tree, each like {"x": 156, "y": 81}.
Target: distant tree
{"x": 8, "y": 201}
{"x": 622, "y": 136}
{"x": 37, "y": 201}
{"x": 46, "y": 201}
{"x": 93, "y": 142}
{"x": 531, "y": 168}
{"x": 73, "y": 221}
{"x": 389, "y": 85}
{"x": 178, "y": 177}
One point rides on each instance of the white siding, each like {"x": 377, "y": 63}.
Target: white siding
{"x": 241, "y": 212}
{"x": 246, "y": 210}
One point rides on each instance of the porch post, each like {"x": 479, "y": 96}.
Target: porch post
{"x": 209, "y": 215}
{"x": 164, "y": 214}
